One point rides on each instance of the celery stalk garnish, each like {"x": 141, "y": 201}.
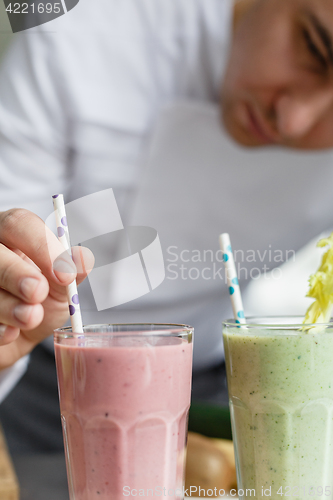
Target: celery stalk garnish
{"x": 321, "y": 287}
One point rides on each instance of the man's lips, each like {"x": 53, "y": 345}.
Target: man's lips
{"x": 258, "y": 128}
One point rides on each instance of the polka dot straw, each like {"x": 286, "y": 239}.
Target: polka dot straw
{"x": 63, "y": 236}
{"x": 230, "y": 269}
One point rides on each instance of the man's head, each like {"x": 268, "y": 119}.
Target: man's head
{"x": 278, "y": 86}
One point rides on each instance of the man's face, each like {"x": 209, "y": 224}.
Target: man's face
{"x": 278, "y": 87}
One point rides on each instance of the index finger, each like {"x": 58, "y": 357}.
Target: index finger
{"x": 24, "y": 230}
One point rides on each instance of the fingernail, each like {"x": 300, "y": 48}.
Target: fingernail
{"x": 22, "y": 312}
{"x": 2, "y": 330}
{"x": 64, "y": 269}
{"x": 28, "y": 286}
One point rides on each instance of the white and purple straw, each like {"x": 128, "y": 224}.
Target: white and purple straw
{"x": 230, "y": 269}
{"x": 63, "y": 236}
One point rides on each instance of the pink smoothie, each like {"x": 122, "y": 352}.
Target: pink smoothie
{"x": 124, "y": 404}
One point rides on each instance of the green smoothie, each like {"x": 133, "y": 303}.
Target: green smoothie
{"x": 280, "y": 383}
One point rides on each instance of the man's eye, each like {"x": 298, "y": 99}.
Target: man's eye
{"x": 313, "y": 49}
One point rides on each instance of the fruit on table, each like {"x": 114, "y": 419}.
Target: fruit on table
{"x": 210, "y": 464}
{"x": 227, "y": 447}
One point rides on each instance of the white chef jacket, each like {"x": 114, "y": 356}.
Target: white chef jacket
{"x": 125, "y": 95}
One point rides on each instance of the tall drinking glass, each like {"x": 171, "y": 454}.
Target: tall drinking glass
{"x": 124, "y": 397}
{"x": 280, "y": 381}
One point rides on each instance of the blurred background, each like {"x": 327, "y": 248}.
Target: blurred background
{"x": 260, "y": 197}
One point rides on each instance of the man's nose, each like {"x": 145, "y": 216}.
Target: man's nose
{"x": 296, "y": 115}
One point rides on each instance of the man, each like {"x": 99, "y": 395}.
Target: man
{"x": 76, "y": 110}
{"x": 280, "y": 90}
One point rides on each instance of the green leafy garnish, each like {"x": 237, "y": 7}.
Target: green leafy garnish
{"x": 321, "y": 287}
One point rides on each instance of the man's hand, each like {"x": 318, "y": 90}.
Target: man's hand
{"x": 34, "y": 272}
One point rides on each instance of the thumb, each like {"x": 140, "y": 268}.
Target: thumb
{"x": 84, "y": 261}
{"x": 64, "y": 268}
